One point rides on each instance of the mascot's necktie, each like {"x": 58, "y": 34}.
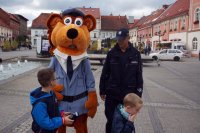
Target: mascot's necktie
{"x": 69, "y": 67}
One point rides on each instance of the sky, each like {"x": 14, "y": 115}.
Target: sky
{"x": 31, "y": 9}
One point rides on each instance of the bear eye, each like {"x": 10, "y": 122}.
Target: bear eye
{"x": 67, "y": 20}
{"x": 78, "y": 22}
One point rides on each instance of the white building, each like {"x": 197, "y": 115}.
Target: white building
{"x": 95, "y": 34}
{"x": 110, "y": 24}
{"x": 39, "y": 29}
{"x": 5, "y": 33}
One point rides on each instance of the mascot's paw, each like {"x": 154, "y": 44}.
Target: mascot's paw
{"x": 57, "y": 89}
{"x": 91, "y": 104}
{"x": 92, "y": 112}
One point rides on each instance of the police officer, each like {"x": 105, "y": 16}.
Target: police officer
{"x": 121, "y": 74}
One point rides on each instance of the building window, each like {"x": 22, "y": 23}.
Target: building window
{"x": 175, "y": 25}
{"x": 194, "y": 43}
{"x": 110, "y": 35}
{"x": 36, "y": 33}
{"x": 165, "y": 26}
{"x": 158, "y": 28}
{"x": 103, "y": 35}
{"x": 171, "y": 26}
{"x": 197, "y": 14}
{"x": 45, "y": 32}
{"x": 95, "y": 36}
{"x": 35, "y": 41}
{"x": 183, "y": 23}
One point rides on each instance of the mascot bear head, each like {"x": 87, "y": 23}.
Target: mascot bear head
{"x": 69, "y": 31}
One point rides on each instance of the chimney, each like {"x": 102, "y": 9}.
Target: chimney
{"x": 165, "y": 6}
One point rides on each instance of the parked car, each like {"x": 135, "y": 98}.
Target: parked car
{"x": 167, "y": 54}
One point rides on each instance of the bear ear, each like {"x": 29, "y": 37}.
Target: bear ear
{"x": 53, "y": 20}
{"x": 90, "y": 22}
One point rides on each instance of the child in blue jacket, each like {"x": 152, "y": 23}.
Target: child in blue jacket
{"x": 124, "y": 115}
{"x": 45, "y": 112}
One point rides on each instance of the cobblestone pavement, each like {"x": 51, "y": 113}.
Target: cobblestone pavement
{"x": 166, "y": 109}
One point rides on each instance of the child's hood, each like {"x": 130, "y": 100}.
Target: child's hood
{"x": 125, "y": 114}
{"x": 37, "y": 94}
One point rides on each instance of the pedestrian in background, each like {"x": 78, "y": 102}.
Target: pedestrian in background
{"x": 149, "y": 49}
{"x": 121, "y": 74}
{"x": 146, "y": 50}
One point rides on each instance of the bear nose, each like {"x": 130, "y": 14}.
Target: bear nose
{"x": 72, "y": 33}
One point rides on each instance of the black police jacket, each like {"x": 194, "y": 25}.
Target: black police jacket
{"x": 121, "y": 76}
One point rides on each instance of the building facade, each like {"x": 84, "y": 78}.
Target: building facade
{"x": 133, "y": 31}
{"x": 23, "y": 24}
{"x": 39, "y": 29}
{"x": 14, "y": 25}
{"x": 5, "y": 29}
{"x": 194, "y": 27}
{"x": 178, "y": 22}
{"x": 10, "y": 25}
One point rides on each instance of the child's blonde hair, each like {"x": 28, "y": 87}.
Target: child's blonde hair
{"x": 132, "y": 99}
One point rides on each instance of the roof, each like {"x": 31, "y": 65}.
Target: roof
{"x": 92, "y": 11}
{"x": 150, "y": 19}
{"x": 5, "y": 18}
{"x": 40, "y": 21}
{"x": 113, "y": 22}
{"x": 13, "y": 17}
{"x": 132, "y": 25}
{"x": 140, "y": 21}
{"x": 3, "y": 24}
{"x": 22, "y": 17}
{"x": 178, "y": 8}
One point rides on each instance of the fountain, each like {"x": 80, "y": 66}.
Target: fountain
{"x": 13, "y": 68}
{"x": 10, "y": 66}
{"x": 25, "y": 61}
{"x": 19, "y": 63}
{"x": 1, "y": 68}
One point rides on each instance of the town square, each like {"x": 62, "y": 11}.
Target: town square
{"x": 114, "y": 52}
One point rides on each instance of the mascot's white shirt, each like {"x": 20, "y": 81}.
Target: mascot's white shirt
{"x": 62, "y": 58}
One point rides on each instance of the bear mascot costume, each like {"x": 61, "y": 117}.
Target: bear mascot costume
{"x": 69, "y": 37}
